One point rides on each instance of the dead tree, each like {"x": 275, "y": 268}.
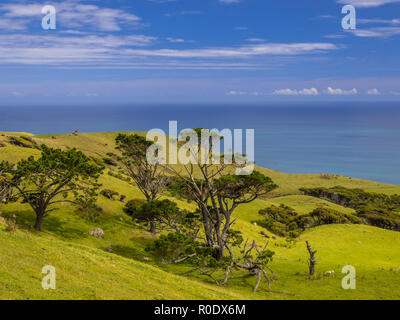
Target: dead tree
{"x": 255, "y": 265}
{"x": 312, "y": 261}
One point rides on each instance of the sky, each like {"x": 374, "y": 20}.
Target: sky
{"x": 192, "y": 51}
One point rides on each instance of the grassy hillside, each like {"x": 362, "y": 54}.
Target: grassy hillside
{"x": 87, "y": 270}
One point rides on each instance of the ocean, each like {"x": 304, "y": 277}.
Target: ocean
{"x": 356, "y": 139}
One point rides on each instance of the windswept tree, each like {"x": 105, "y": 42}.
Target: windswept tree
{"x": 168, "y": 216}
{"x": 5, "y": 186}
{"x": 217, "y": 199}
{"x": 216, "y": 192}
{"x": 149, "y": 178}
{"x": 57, "y": 176}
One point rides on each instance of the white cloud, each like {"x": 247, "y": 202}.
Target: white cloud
{"x": 244, "y": 51}
{"x": 291, "y": 92}
{"x": 332, "y": 91}
{"x": 175, "y": 40}
{"x": 73, "y": 14}
{"x": 255, "y": 40}
{"x": 236, "y": 93}
{"x": 383, "y": 32}
{"x": 367, "y": 3}
{"x": 102, "y": 50}
{"x": 378, "y": 21}
{"x": 373, "y": 92}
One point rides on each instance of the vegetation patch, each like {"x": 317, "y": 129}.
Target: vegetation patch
{"x": 286, "y": 222}
{"x": 24, "y": 142}
{"x": 377, "y": 209}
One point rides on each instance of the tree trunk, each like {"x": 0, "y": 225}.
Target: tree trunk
{"x": 312, "y": 260}
{"x": 39, "y": 220}
{"x": 153, "y": 227}
{"x": 219, "y": 253}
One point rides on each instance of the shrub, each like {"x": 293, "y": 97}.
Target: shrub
{"x": 285, "y": 222}
{"x": 131, "y": 206}
{"x": 109, "y": 194}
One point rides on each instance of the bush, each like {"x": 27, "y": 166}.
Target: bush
{"x": 375, "y": 209}
{"x": 131, "y": 206}
{"x": 379, "y": 217}
{"x": 285, "y": 222}
{"x": 278, "y": 220}
{"x": 110, "y": 162}
{"x": 109, "y": 194}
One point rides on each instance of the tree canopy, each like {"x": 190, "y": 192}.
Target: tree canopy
{"x": 52, "y": 178}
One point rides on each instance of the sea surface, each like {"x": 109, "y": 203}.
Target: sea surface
{"x": 361, "y": 140}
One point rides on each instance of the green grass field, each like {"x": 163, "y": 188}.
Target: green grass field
{"x": 86, "y": 270}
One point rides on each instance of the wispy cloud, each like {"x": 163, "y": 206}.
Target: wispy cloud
{"x": 380, "y": 32}
{"x": 283, "y": 49}
{"x": 373, "y": 92}
{"x": 341, "y": 92}
{"x": 72, "y": 14}
{"x": 175, "y": 40}
{"x": 367, "y": 3}
{"x": 255, "y": 40}
{"x": 294, "y": 92}
{"x": 379, "y": 21}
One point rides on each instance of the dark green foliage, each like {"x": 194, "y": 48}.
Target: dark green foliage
{"x": 131, "y": 205}
{"x": 148, "y": 177}
{"x": 178, "y": 248}
{"x": 57, "y": 176}
{"x": 5, "y": 187}
{"x": 97, "y": 161}
{"x": 354, "y": 198}
{"x": 110, "y": 162}
{"x": 279, "y": 220}
{"x": 154, "y": 210}
{"x": 323, "y": 215}
{"x": 24, "y": 142}
{"x": 376, "y": 209}
{"x": 285, "y": 222}
{"x": 244, "y": 188}
{"x": 166, "y": 214}
{"x": 379, "y": 217}
{"x": 109, "y": 194}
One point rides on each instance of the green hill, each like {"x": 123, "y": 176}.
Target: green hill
{"x": 87, "y": 270}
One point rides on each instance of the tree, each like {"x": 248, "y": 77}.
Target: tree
{"x": 312, "y": 261}
{"x": 167, "y": 215}
{"x": 3, "y": 184}
{"x": 5, "y": 187}
{"x": 149, "y": 178}
{"x": 53, "y": 177}
{"x": 217, "y": 199}
{"x": 216, "y": 192}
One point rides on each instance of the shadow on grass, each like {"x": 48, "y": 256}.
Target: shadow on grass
{"x": 26, "y": 219}
{"x": 128, "y": 252}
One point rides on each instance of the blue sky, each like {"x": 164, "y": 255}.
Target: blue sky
{"x": 123, "y": 51}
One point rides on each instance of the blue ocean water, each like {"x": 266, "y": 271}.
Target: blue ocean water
{"x": 361, "y": 140}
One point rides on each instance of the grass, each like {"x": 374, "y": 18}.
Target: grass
{"x": 86, "y": 270}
